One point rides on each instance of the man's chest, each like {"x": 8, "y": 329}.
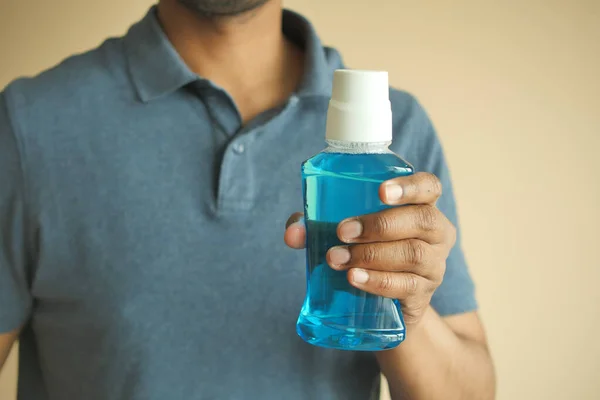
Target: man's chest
{"x": 156, "y": 225}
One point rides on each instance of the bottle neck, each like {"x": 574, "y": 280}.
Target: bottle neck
{"x": 342, "y": 146}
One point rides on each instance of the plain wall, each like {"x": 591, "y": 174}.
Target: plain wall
{"x": 513, "y": 89}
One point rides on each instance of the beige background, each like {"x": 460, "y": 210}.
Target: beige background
{"x": 513, "y": 88}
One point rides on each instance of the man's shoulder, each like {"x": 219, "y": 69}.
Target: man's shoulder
{"x": 414, "y": 134}
{"x": 67, "y": 85}
{"x": 402, "y": 101}
{"x": 406, "y": 109}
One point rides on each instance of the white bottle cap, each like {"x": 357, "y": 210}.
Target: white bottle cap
{"x": 360, "y": 109}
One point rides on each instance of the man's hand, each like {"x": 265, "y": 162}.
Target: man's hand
{"x": 398, "y": 253}
{"x": 401, "y": 253}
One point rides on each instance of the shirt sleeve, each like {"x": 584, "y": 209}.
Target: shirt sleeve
{"x": 456, "y": 294}
{"x": 15, "y": 298}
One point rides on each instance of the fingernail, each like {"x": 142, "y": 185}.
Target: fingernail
{"x": 393, "y": 192}
{"x": 339, "y": 255}
{"x": 300, "y": 222}
{"x": 360, "y": 276}
{"x": 295, "y": 219}
{"x": 351, "y": 229}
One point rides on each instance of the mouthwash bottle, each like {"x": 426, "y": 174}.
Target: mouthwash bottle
{"x": 341, "y": 182}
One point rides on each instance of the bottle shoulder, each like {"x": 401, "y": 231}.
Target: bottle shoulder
{"x": 386, "y": 164}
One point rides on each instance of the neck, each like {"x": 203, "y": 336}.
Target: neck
{"x": 247, "y": 55}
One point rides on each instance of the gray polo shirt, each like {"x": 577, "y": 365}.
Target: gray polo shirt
{"x": 141, "y": 229}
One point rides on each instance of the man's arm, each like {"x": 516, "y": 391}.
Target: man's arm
{"x": 441, "y": 358}
{"x": 15, "y": 297}
{"x": 6, "y": 342}
{"x": 401, "y": 253}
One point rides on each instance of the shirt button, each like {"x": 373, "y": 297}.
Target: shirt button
{"x": 239, "y": 148}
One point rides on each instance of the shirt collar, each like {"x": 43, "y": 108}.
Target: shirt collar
{"x": 156, "y": 69}
{"x": 319, "y": 62}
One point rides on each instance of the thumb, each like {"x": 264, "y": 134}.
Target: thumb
{"x": 295, "y": 232}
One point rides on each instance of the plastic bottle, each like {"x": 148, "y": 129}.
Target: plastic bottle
{"x": 341, "y": 182}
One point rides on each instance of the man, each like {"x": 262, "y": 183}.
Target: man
{"x": 143, "y": 189}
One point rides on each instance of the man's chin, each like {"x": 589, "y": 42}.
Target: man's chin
{"x": 222, "y": 8}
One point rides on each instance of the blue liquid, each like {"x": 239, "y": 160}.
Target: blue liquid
{"x": 335, "y": 314}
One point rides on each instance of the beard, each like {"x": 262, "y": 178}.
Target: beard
{"x": 221, "y": 8}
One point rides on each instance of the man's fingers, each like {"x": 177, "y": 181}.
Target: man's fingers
{"x": 423, "y": 221}
{"x": 295, "y": 217}
{"x": 419, "y": 188}
{"x": 411, "y": 255}
{"x": 295, "y": 232}
{"x": 394, "y": 285}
